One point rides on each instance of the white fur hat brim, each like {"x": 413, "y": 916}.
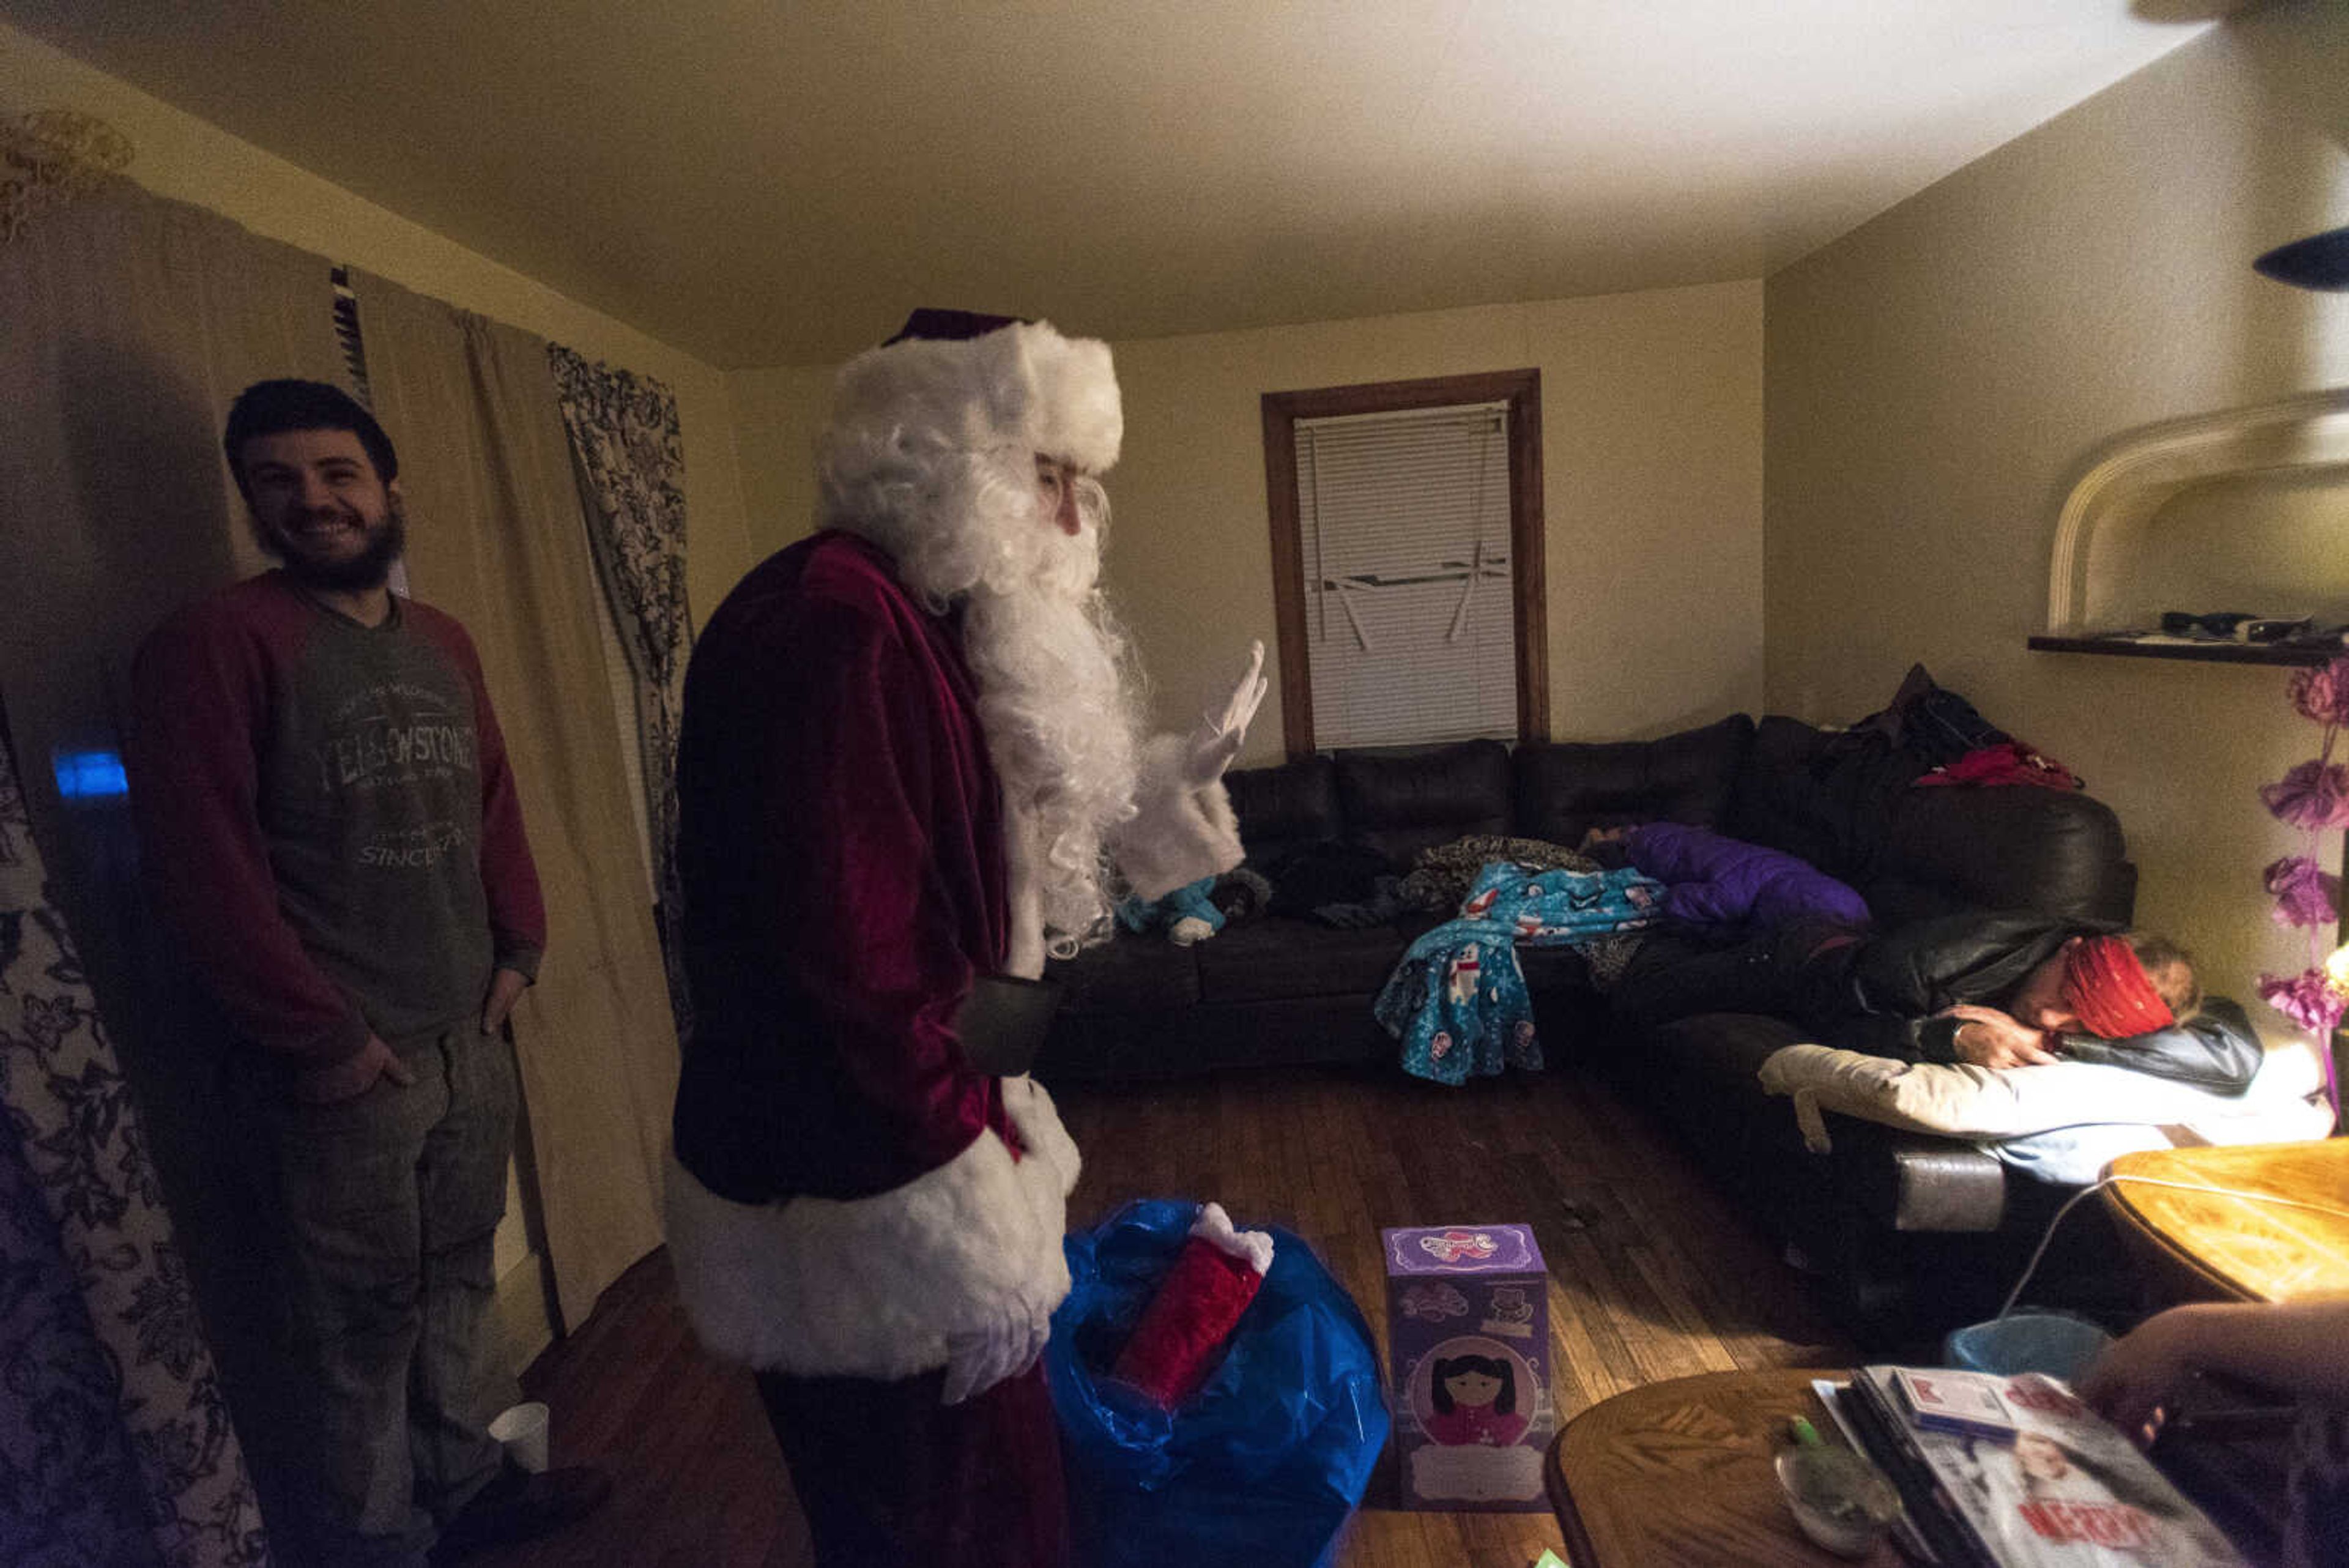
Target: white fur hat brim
{"x": 1021, "y": 385}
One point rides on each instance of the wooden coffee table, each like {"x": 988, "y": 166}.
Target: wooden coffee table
{"x": 2202, "y": 1244}
{"x": 1680, "y": 1472}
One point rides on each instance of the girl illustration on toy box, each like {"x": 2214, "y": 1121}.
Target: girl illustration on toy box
{"x": 1475, "y": 1399}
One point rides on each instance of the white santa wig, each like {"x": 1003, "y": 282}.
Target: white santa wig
{"x": 931, "y": 454}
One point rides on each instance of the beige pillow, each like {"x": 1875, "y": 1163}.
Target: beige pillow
{"x": 1959, "y": 1100}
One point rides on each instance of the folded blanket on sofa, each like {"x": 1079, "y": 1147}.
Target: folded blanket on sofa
{"x": 1457, "y": 1000}
{"x": 1442, "y": 874}
{"x": 2000, "y": 1104}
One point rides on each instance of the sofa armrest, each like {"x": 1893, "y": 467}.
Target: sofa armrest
{"x": 1914, "y": 1181}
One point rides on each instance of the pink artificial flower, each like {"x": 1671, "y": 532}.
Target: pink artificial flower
{"x": 2304, "y": 894}
{"x": 2323, "y": 694}
{"x": 2315, "y": 796}
{"x": 2306, "y": 998}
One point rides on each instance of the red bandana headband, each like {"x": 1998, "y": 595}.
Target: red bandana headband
{"x": 2109, "y": 989}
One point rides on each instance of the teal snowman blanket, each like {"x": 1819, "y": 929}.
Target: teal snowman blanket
{"x": 1457, "y": 1001}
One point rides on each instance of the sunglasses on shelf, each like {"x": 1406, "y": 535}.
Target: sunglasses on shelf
{"x": 2233, "y": 626}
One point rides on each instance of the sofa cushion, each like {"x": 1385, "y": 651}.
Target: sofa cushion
{"x": 1778, "y": 799}
{"x": 1255, "y": 961}
{"x": 1285, "y": 805}
{"x": 1128, "y": 973}
{"x": 2014, "y": 847}
{"x": 1403, "y": 800}
{"x": 1565, "y": 788}
{"x": 1315, "y": 877}
{"x": 1847, "y": 804}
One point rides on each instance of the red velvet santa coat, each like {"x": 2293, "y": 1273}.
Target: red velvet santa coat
{"x": 847, "y": 1189}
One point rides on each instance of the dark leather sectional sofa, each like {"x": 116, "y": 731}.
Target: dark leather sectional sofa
{"x": 1913, "y": 1231}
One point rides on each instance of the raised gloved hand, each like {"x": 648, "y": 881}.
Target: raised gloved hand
{"x": 1217, "y": 737}
{"x": 979, "y": 1359}
{"x": 1183, "y": 827}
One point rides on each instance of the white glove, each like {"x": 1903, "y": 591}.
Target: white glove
{"x": 982, "y": 1357}
{"x": 1217, "y": 737}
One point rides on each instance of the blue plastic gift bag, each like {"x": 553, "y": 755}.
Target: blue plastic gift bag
{"x": 1264, "y": 1462}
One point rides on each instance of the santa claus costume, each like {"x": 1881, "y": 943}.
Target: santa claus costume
{"x": 908, "y": 746}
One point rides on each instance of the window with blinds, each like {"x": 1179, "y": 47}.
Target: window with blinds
{"x": 1407, "y": 561}
{"x": 1403, "y": 529}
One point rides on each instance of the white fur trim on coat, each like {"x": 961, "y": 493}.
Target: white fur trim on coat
{"x": 1215, "y": 1227}
{"x": 870, "y": 1287}
{"x": 1181, "y": 830}
{"x": 1021, "y": 385}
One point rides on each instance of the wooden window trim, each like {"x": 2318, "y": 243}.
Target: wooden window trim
{"x": 1521, "y": 389}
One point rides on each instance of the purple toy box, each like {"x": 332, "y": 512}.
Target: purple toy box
{"x": 1468, "y": 1329}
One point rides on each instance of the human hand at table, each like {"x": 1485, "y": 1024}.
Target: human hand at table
{"x": 2139, "y": 1372}
{"x": 2289, "y": 1347}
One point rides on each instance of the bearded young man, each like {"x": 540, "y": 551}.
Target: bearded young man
{"x": 909, "y": 756}
{"x": 330, "y": 828}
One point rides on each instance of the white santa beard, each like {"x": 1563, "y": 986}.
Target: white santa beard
{"x": 1056, "y": 701}
{"x": 1059, "y": 718}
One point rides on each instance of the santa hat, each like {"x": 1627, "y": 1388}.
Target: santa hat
{"x": 955, "y": 380}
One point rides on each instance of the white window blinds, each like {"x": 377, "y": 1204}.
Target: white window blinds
{"x": 1403, "y": 523}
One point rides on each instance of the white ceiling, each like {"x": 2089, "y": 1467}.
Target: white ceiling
{"x": 776, "y": 182}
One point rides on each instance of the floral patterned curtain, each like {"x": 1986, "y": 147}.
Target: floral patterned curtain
{"x": 625, "y": 444}
{"x": 115, "y": 1442}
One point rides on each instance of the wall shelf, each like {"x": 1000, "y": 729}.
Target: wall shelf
{"x": 2201, "y": 653}
{"x": 2110, "y": 514}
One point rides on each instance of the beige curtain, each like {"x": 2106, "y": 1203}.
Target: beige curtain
{"x": 496, "y": 538}
{"x": 128, "y": 324}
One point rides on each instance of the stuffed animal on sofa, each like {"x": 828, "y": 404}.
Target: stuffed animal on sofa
{"x": 1187, "y": 915}
{"x": 1199, "y": 910}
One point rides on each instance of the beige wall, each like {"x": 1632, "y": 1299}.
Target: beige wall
{"x": 1936, "y": 379}
{"x": 184, "y": 158}
{"x": 777, "y": 414}
{"x": 1651, "y": 408}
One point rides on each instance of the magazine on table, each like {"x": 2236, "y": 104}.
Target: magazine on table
{"x": 2017, "y": 1472}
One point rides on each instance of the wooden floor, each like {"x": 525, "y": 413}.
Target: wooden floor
{"x": 1651, "y": 1277}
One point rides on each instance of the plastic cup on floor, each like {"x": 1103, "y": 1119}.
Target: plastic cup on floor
{"x": 521, "y": 1432}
